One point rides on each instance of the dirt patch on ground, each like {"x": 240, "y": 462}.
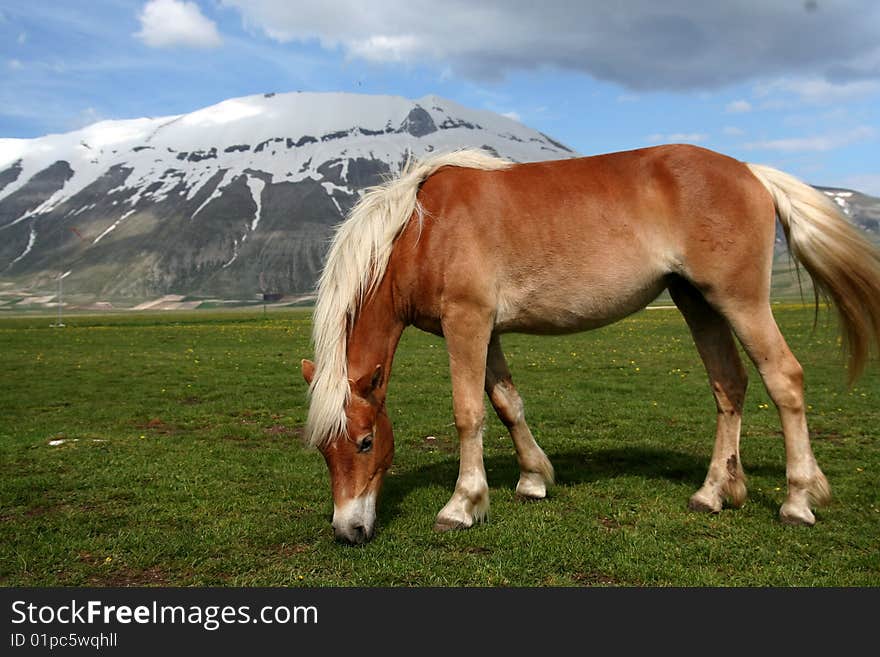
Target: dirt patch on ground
{"x": 33, "y": 512}
{"x": 283, "y": 430}
{"x": 153, "y": 576}
{"x": 298, "y": 433}
{"x": 285, "y": 550}
{"x": 248, "y": 442}
{"x": 39, "y": 510}
{"x": 830, "y": 436}
{"x": 109, "y": 573}
{"x": 158, "y": 426}
{"x": 609, "y": 524}
{"x": 443, "y": 444}
{"x": 596, "y": 578}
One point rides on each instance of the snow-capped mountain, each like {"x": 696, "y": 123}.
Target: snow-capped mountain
{"x": 863, "y": 210}
{"x": 228, "y": 200}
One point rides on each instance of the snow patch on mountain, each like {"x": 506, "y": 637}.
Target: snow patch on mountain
{"x": 32, "y": 238}
{"x": 256, "y": 186}
{"x": 113, "y": 226}
{"x": 841, "y": 198}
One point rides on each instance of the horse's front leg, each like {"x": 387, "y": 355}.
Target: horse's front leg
{"x": 467, "y": 333}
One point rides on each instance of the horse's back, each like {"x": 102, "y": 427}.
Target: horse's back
{"x": 573, "y": 244}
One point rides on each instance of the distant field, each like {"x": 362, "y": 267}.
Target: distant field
{"x": 178, "y": 461}
{"x": 789, "y": 286}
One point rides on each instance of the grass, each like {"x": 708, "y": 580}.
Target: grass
{"x": 182, "y": 463}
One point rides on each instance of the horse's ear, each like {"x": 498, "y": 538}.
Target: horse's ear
{"x": 308, "y": 370}
{"x": 369, "y": 382}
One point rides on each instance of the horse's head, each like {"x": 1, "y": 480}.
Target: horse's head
{"x": 358, "y": 461}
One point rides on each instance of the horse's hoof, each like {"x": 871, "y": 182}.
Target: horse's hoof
{"x": 790, "y": 514}
{"x": 448, "y": 524}
{"x": 532, "y": 488}
{"x": 703, "y": 505}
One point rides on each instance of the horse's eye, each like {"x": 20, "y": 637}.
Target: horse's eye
{"x": 365, "y": 444}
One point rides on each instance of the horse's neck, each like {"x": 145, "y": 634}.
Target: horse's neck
{"x": 374, "y": 336}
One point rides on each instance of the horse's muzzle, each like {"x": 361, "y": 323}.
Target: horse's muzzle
{"x": 354, "y": 522}
{"x": 354, "y": 535}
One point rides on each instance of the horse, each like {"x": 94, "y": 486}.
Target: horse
{"x": 469, "y": 247}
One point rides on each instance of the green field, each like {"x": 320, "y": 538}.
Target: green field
{"x": 182, "y": 462}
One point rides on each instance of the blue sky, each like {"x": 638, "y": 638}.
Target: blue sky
{"x": 791, "y": 83}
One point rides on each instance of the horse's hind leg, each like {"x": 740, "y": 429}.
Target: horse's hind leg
{"x": 784, "y": 379}
{"x": 728, "y": 380}
{"x": 536, "y": 472}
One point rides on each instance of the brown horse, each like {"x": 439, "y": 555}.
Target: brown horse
{"x": 469, "y": 247}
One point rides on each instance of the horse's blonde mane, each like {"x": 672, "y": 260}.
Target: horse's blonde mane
{"x": 355, "y": 264}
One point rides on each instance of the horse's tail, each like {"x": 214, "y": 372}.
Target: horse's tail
{"x": 843, "y": 264}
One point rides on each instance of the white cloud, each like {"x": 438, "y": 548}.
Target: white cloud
{"x": 385, "y": 48}
{"x": 738, "y": 107}
{"x": 816, "y": 143}
{"x": 22, "y": 38}
{"x": 678, "y": 137}
{"x": 815, "y": 91}
{"x": 513, "y": 116}
{"x": 15, "y": 64}
{"x": 169, "y": 23}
